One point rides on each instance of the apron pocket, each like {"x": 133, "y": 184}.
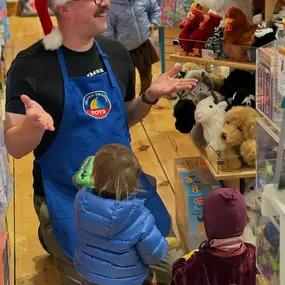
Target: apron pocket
{"x": 60, "y": 194}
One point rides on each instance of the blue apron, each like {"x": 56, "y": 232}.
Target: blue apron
{"x": 94, "y": 115}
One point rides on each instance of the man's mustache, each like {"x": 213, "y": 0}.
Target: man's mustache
{"x": 100, "y": 12}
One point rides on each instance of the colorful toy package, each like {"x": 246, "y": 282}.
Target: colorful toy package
{"x": 193, "y": 183}
{"x": 6, "y": 186}
{"x": 267, "y": 246}
{"x": 4, "y": 31}
{"x": 173, "y": 11}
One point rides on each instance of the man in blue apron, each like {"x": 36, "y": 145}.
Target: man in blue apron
{"x": 77, "y": 87}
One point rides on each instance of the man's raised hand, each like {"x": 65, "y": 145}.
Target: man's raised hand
{"x": 36, "y": 115}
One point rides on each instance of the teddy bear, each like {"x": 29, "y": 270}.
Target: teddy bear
{"x": 238, "y": 136}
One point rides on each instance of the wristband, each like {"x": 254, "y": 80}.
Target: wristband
{"x": 145, "y": 100}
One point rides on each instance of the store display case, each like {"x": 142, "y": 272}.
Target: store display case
{"x": 267, "y": 246}
{"x": 268, "y": 98}
{"x": 270, "y": 164}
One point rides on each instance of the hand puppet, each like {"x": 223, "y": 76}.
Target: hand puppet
{"x": 210, "y": 113}
{"x": 220, "y": 7}
{"x": 188, "y": 27}
{"x": 206, "y": 30}
{"x": 238, "y": 35}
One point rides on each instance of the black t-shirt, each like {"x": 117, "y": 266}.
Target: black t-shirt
{"x": 36, "y": 72}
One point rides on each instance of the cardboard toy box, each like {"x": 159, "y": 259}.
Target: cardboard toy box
{"x": 193, "y": 182}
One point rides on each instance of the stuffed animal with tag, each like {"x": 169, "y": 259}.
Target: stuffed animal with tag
{"x": 210, "y": 113}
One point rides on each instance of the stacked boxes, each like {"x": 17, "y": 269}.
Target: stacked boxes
{"x": 193, "y": 183}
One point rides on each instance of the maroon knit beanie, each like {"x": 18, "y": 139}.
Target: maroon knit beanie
{"x": 225, "y": 214}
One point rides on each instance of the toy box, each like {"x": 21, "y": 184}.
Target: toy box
{"x": 267, "y": 246}
{"x": 193, "y": 183}
{"x": 270, "y": 83}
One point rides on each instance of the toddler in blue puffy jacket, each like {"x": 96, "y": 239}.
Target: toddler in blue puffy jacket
{"x": 117, "y": 236}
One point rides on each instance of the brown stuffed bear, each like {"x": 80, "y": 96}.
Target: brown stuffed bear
{"x": 238, "y": 135}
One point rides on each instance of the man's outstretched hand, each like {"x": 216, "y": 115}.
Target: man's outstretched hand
{"x": 36, "y": 115}
{"x": 165, "y": 84}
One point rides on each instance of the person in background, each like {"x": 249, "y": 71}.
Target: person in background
{"x": 224, "y": 259}
{"x": 132, "y": 22}
{"x": 117, "y": 235}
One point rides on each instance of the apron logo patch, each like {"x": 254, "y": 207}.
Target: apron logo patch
{"x": 97, "y": 104}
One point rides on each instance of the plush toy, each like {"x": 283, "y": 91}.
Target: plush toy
{"x": 196, "y": 5}
{"x": 264, "y": 34}
{"x": 238, "y": 136}
{"x": 188, "y": 27}
{"x": 220, "y": 7}
{"x": 203, "y": 77}
{"x": 216, "y": 43}
{"x": 238, "y": 35}
{"x": 210, "y": 113}
{"x": 236, "y": 81}
{"x": 206, "y": 30}
{"x": 243, "y": 98}
{"x": 187, "y": 66}
{"x": 184, "y": 114}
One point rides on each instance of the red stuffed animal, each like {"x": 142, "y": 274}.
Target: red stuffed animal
{"x": 195, "y": 18}
{"x": 206, "y": 30}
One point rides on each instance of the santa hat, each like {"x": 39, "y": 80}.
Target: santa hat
{"x": 53, "y": 37}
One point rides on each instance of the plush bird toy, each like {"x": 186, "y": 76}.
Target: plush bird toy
{"x": 188, "y": 27}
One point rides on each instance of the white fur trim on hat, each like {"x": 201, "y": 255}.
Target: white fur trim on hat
{"x": 53, "y": 40}
{"x": 55, "y": 3}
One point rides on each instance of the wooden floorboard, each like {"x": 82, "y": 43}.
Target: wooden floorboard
{"x": 155, "y": 142}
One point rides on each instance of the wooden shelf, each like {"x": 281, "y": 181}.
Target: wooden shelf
{"x": 205, "y": 61}
{"x": 210, "y": 158}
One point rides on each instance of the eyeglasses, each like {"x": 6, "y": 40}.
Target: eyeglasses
{"x": 97, "y": 2}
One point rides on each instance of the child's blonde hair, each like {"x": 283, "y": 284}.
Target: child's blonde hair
{"x": 115, "y": 171}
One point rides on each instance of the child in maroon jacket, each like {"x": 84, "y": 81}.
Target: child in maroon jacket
{"x": 224, "y": 259}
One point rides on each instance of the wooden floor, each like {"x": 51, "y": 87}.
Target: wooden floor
{"x": 155, "y": 142}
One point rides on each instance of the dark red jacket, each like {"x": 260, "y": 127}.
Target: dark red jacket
{"x": 211, "y": 267}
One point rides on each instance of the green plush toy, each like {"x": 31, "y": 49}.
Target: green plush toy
{"x": 82, "y": 178}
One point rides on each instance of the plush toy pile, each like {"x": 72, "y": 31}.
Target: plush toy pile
{"x": 228, "y": 28}
{"x": 220, "y": 114}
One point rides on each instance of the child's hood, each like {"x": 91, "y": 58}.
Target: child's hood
{"x": 105, "y": 217}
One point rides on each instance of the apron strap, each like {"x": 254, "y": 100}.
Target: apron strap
{"x": 106, "y": 63}
{"x": 62, "y": 64}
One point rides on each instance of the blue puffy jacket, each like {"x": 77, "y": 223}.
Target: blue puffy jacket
{"x": 116, "y": 240}
{"x": 129, "y": 21}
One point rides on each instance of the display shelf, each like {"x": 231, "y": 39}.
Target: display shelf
{"x": 208, "y": 61}
{"x": 210, "y": 157}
